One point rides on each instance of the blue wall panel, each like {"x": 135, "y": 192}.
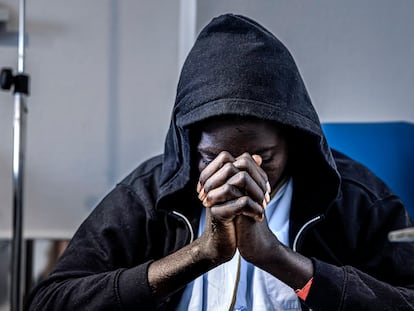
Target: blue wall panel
{"x": 386, "y": 148}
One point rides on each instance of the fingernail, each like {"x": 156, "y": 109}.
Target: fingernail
{"x": 257, "y": 159}
{"x": 261, "y": 217}
{"x": 267, "y": 197}
{"x": 202, "y": 194}
{"x": 198, "y": 187}
{"x": 269, "y": 189}
{"x": 264, "y": 204}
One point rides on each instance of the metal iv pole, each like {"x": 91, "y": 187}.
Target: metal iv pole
{"x": 21, "y": 90}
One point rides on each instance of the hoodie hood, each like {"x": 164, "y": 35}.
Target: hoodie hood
{"x": 237, "y": 67}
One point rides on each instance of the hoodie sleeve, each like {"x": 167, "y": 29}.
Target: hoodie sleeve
{"x": 347, "y": 288}
{"x": 384, "y": 277}
{"x": 104, "y": 266}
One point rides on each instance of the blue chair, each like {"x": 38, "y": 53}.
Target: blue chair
{"x": 386, "y": 148}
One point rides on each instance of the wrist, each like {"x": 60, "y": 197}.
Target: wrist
{"x": 206, "y": 250}
{"x": 290, "y": 267}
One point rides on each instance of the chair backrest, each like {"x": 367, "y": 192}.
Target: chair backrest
{"x": 385, "y": 148}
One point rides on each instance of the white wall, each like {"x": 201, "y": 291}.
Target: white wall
{"x": 103, "y": 82}
{"x": 356, "y": 57}
{"x": 104, "y": 74}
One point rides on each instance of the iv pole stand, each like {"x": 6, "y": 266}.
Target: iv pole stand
{"x": 21, "y": 91}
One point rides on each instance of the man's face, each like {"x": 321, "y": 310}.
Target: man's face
{"x": 237, "y": 137}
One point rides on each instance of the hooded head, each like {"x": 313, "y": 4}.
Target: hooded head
{"x": 237, "y": 67}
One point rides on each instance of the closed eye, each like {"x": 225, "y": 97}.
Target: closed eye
{"x": 205, "y": 161}
{"x": 266, "y": 160}
{"x": 268, "y": 154}
{"x": 267, "y": 157}
{"x": 206, "y": 157}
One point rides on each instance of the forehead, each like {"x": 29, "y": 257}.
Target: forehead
{"x": 238, "y": 134}
{"x": 237, "y": 124}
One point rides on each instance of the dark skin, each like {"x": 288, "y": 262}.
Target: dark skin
{"x": 240, "y": 162}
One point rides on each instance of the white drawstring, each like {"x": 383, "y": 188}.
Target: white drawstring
{"x": 188, "y": 224}
{"x": 303, "y": 228}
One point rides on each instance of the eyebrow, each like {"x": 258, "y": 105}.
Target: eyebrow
{"x": 209, "y": 152}
{"x": 266, "y": 149}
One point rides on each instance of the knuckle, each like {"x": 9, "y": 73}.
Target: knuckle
{"x": 246, "y": 163}
{"x": 243, "y": 162}
{"x": 207, "y": 201}
{"x": 228, "y": 167}
{"x": 227, "y": 188}
{"x": 245, "y": 155}
{"x": 208, "y": 186}
{"x": 203, "y": 177}
{"x": 242, "y": 178}
{"x": 244, "y": 201}
{"x": 224, "y": 156}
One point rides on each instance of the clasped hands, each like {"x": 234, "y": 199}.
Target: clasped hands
{"x": 235, "y": 192}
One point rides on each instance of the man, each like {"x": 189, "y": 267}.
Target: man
{"x": 247, "y": 209}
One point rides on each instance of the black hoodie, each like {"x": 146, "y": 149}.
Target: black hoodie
{"x": 340, "y": 214}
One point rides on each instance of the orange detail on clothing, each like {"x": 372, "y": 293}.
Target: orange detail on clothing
{"x": 304, "y": 291}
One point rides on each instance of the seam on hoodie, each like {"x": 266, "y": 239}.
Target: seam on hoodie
{"x": 150, "y": 165}
{"x": 170, "y": 184}
{"x": 116, "y": 289}
{"x": 374, "y": 195}
{"x": 344, "y": 289}
{"x": 141, "y": 175}
{"x": 372, "y": 206}
{"x": 133, "y": 180}
{"x": 382, "y": 200}
{"x": 405, "y": 299}
{"x": 137, "y": 197}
